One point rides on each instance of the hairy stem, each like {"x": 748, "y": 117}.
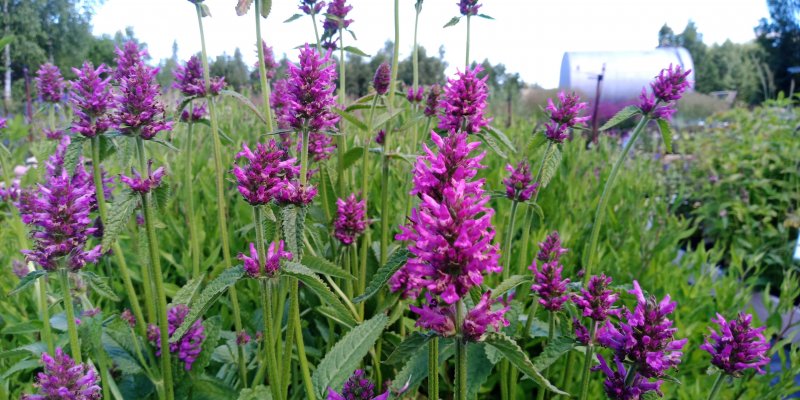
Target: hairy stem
{"x": 587, "y": 363}
{"x": 717, "y": 386}
{"x": 269, "y": 338}
{"x": 262, "y": 68}
{"x": 194, "y": 244}
{"x": 72, "y": 327}
{"x": 433, "y": 368}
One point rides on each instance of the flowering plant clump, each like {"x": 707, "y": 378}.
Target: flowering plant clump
{"x": 64, "y": 379}
{"x": 271, "y": 264}
{"x": 564, "y": 116}
{"x": 189, "y": 79}
{"x": 91, "y": 99}
{"x": 464, "y": 102}
{"x": 309, "y": 91}
{"x": 357, "y": 387}
{"x": 351, "y": 219}
{"x": 548, "y": 284}
{"x": 737, "y": 346}
{"x": 58, "y": 211}
{"x": 520, "y": 185}
{"x": 267, "y": 170}
{"x": 49, "y": 83}
{"x": 190, "y": 345}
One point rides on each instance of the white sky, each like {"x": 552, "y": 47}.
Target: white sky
{"x": 528, "y": 36}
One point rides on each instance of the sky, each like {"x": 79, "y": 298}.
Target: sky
{"x": 528, "y": 36}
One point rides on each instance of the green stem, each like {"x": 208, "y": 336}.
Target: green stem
{"x": 469, "y": 19}
{"x": 316, "y": 32}
{"x": 600, "y": 214}
{"x": 147, "y": 283}
{"x": 304, "y": 159}
{"x": 461, "y": 354}
{"x": 587, "y": 363}
{"x": 219, "y": 171}
{"x": 508, "y": 238}
{"x": 362, "y": 278}
{"x": 551, "y": 327}
{"x": 97, "y": 174}
{"x": 301, "y": 354}
{"x": 72, "y": 328}
{"x": 47, "y": 334}
{"x": 385, "y": 202}
{"x": 433, "y": 368}
{"x": 290, "y": 337}
{"x": 262, "y": 68}
{"x": 269, "y": 340}
{"x": 190, "y": 216}
{"x": 348, "y": 267}
{"x": 395, "y": 55}
{"x": 717, "y": 386}
{"x": 155, "y": 273}
{"x": 568, "y": 370}
{"x": 364, "y": 158}
{"x": 341, "y": 140}
{"x": 529, "y": 214}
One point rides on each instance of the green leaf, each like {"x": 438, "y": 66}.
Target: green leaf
{"x": 207, "y": 298}
{"x": 266, "y": 7}
{"x": 355, "y": 50}
{"x": 408, "y": 347}
{"x": 552, "y": 158}
{"x": 243, "y": 6}
{"x": 293, "y": 224}
{"x": 666, "y": 133}
{"x": 245, "y": 101}
{"x": 73, "y": 154}
{"x": 293, "y": 17}
{"x": 346, "y": 355}
{"x": 119, "y": 214}
{"x": 452, "y": 22}
{"x": 161, "y": 195}
{"x": 484, "y": 16}
{"x": 259, "y": 392}
{"x": 34, "y": 349}
{"x": 23, "y": 328}
{"x": 492, "y": 145}
{"x": 324, "y": 266}
{"x": 538, "y": 140}
{"x": 210, "y": 388}
{"x": 22, "y": 365}
{"x": 387, "y": 116}
{"x": 352, "y": 156}
{"x": 211, "y": 328}
{"x": 164, "y": 143}
{"x": 514, "y": 354}
{"x": 501, "y": 137}
{"x": 553, "y": 351}
{"x": 315, "y": 284}
{"x": 509, "y": 283}
{"x": 204, "y": 10}
{"x": 382, "y": 275}
{"x": 327, "y": 191}
{"x": 6, "y": 40}
{"x": 100, "y": 286}
{"x": 478, "y": 368}
{"x": 187, "y": 292}
{"x": 28, "y": 280}
{"x": 620, "y": 117}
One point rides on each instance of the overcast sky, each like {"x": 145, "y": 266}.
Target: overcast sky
{"x": 528, "y": 36}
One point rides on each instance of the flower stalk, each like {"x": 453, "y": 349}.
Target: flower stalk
{"x": 717, "y": 386}
{"x": 587, "y": 363}
{"x": 72, "y": 327}
{"x": 262, "y": 68}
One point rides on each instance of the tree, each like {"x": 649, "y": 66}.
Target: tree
{"x": 780, "y": 38}
{"x": 666, "y": 36}
{"x": 233, "y": 69}
{"x": 167, "y": 68}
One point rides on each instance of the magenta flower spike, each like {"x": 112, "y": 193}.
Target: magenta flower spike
{"x": 435, "y": 316}
{"x": 199, "y": 111}
{"x": 270, "y": 267}
{"x": 143, "y": 185}
{"x": 737, "y": 346}
{"x": 482, "y": 317}
{"x": 645, "y": 336}
{"x": 138, "y": 109}
{"x": 311, "y": 6}
{"x": 128, "y": 57}
{"x": 617, "y": 385}
{"x": 351, "y": 219}
{"x": 520, "y": 185}
{"x": 464, "y": 102}
{"x": 338, "y": 9}
{"x": 357, "y": 387}
{"x": 268, "y": 168}
{"x": 190, "y": 345}
{"x": 91, "y": 99}
{"x": 468, "y": 7}
{"x": 270, "y": 65}
{"x": 310, "y": 93}
{"x": 564, "y": 116}
{"x": 49, "y": 83}
{"x": 58, "y": 212}
{"x": 293, "y": 192}
{"x": 415, "y": 97}
{"x": 667, "y": 88}
{"x": 279, "y": 100}
{"x": 596, "y": 300}
{"x": 63, "y": 379}
{"x": 432, "y": 100}
{"x": 380, "y": 138}
{"x": 320, "y": 146}
{"x": 548, "y": 284}
{"x": 382, "y": 79}
{"x": 189, "y": 79}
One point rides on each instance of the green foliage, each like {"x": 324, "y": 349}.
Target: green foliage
{"x": 514, "y": 354}
{"x": 379, "y": 279}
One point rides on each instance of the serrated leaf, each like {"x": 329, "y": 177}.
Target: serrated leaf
{"x": 514, "y": 354}
{"x": 324, "y": 266}
{"x": 552, "y": 158}
{"x": 346, "y": 355}
{"x": 538, "y": 140}
{"x": 207, "y": 298}
{"x": 164, "y": 143}
{"x": 356, "y": 51}
{"x": 351, "y": 118}
{"x": 351, "y": 156}
{"x": 22, "y": 365}
{"x": 161, "y": 195}
{"x": 666, "y": 133}
{"x": 315, "y": 284}
{"x": 293, "y": 224}
{"x": 509, "y": 283}
{"x": 501, "y": 137}
{"x": 187, "y": 292}
{"x": 34, "y": 349}
{"x": 553, "y": 351}
{"x": 620, "y": 117}
{"x": 119, "y": 214}
{"x": 384, "y": 273}
{"x": 243, "y": 6}
{"x": 387, "y": 116}
{"x": 211, "y": 329}
{"x": 245, "y": 101}
{"x": 100, "y": 286}
{"x": 328, "y": 193}
{"x": 27, "y": 280}
{"x": 478, "y": 368}
{"x": 293, "y": 17}
{"x": 416, "y": 369}
{"x": 73, "y": 153}
{"x": 492, "y": 145}
{"x": 408, "y": 347}
{"x": 259, "y": 392}
{"x": 91, "y": 332}
{"x": 453, "y": 21}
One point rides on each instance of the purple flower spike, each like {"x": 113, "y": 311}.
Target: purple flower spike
{"x": 382, "y": 79}
{"x": 267, "y": 170}
{"x": 3, "y": 123}
{"x": 128, "y": 57}
{"x": 293, "y": 192}
{"x": 581, "y": 333}
{"x": 199, "y": 111}
{"x": 189, "y": 79}
{"x": 615, "y": 384}
{"x": 140, "y": 184}
{"x": 310, "y": 93}
{"x": 279, "y": 100}
{"x": 564, "y": 116}
{"x": 270, "y": 65}
{"x": 549, "y": 286}
{"x": 242, "y": 338}
{"x": 138, "y": 109}
{"x": 190, "y": 345}
{"x": 432, "y": 101}
{"x": 464, "y": 102}
{"x": 270, "y": 267}
{"x": 320, "y": 146}
{"x": 666, "y": 89}
{"x": 58, "y": 212}
{"x": 380, "y": 138}
{"x": 481, "y": 317}
{"x": 351, "y": 219}
{"x": 417, "y": 97}
{"x": 338, "y": 9}
{"x": 469, "y": 7}
{"x": 311, "y": 7}
{"x": 437, "y": 317}
{"x": 63, "y": 379}
{"x": 645, "y": 336}
{"x": 550, "y": 249}
{"x": 596, "y": 300}
{"x": 357, "y": 387}
{"x": 520, "y": 185}
{"x": 738, "y": 346}
{"x": 49, "y": 83}
{"x": 90, "y": 99}
{"x": 128, "y": 317}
